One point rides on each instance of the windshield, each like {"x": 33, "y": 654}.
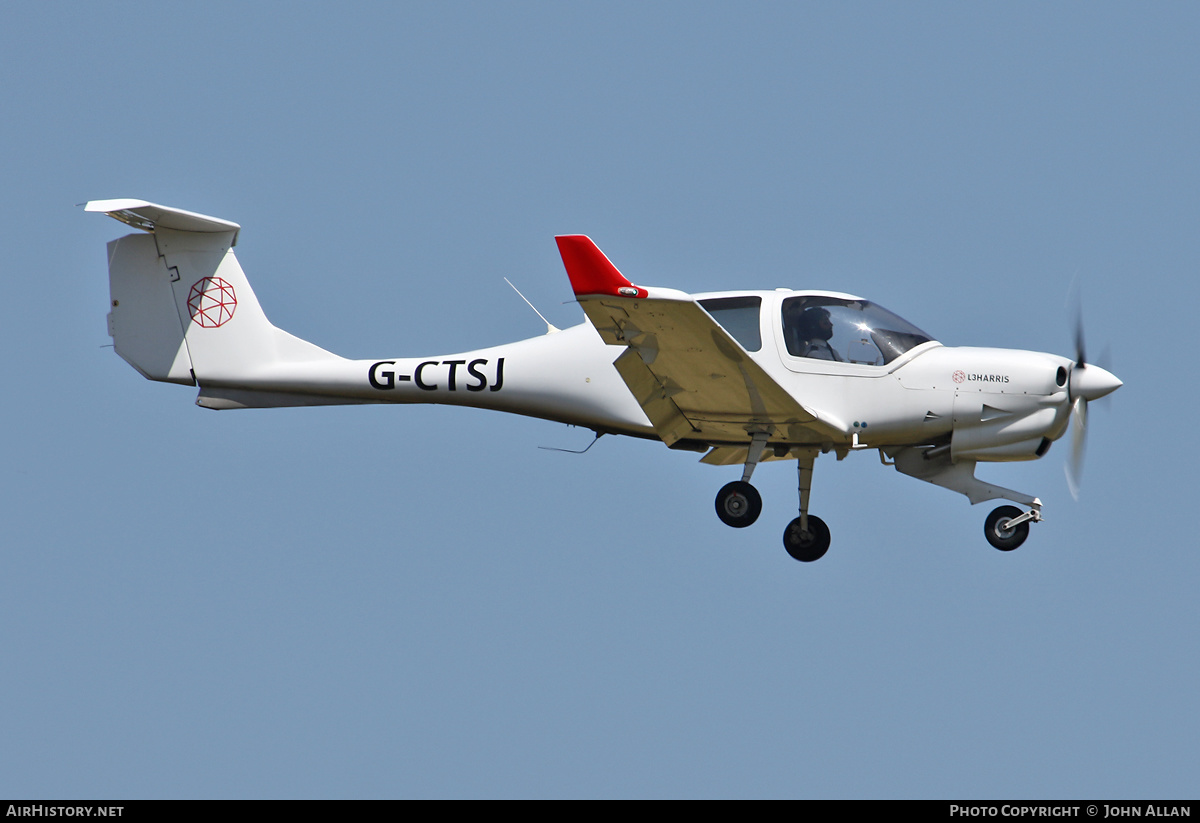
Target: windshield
{"x": 849, "y": 331}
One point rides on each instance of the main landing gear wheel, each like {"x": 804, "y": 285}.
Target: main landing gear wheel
{"x": 1000, "y": 534}
{"x": 738, "y": 504}
{"x": 806, "y": 546}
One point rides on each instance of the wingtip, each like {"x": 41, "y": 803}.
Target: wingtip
{"x": 590, "y": 271}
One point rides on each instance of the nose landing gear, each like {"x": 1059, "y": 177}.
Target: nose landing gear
{"x": 1007, "y": 526}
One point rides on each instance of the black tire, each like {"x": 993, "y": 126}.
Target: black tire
{"x": 738, "y": 504}
{"x": 806, "y": 547}
{"x": 996, "y": 531}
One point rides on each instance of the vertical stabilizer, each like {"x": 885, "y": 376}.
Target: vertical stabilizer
{"x": 182, "y": 308}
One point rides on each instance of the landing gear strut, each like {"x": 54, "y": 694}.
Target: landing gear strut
{"x": 739, "y": 503}
{"x": 807, "y": 537}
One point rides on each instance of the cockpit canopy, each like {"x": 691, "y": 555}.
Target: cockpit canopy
{"x": 846, "y": 330}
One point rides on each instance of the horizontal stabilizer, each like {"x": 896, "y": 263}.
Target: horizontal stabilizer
{"x": 147, "y": 216}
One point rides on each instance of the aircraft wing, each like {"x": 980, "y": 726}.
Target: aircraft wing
{"x": 688, "y": 374}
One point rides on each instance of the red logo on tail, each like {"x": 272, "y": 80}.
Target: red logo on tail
{"x": 211, "y": 302}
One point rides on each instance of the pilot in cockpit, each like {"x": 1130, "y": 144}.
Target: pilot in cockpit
{"x": 814, "y": 328}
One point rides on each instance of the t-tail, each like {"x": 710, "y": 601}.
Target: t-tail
{"x": 183, "y": 312}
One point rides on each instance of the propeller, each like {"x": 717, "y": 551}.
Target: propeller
{"x": 1087, "y": 382}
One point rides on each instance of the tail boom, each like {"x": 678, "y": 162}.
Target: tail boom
{"x": 184, "y": 312}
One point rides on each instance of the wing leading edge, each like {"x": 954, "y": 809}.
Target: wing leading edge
{"x": 692, "y": 379}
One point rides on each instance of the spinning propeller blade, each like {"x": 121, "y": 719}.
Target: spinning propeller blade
{"x": 1086, "y": 383}
{"x": 1074, "y": 466}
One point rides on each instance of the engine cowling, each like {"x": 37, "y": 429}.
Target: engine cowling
{"x": 999, "y": 436}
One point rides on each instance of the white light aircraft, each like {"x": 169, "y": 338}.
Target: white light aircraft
{"x": 740, "y": 376}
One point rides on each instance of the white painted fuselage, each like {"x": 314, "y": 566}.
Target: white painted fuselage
{"x": 742, "y": 376}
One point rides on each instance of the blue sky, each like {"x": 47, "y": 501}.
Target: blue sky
{"x": 414, "y": 602}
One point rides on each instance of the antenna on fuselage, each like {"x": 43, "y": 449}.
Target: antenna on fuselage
{"x": 573, "y": 451}
{"x": 550, "y": 327}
